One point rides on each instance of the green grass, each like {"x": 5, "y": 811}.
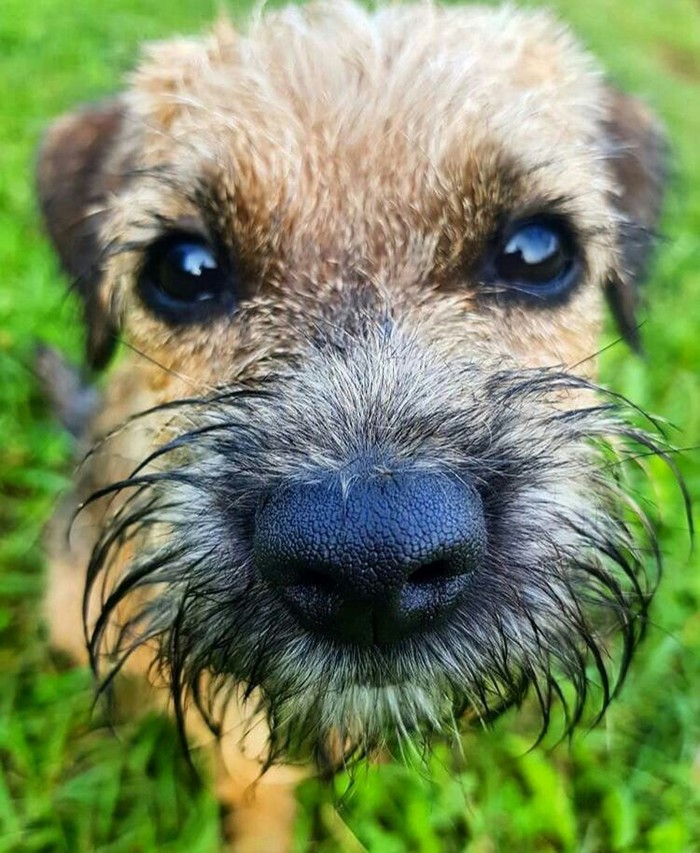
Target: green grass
{"x": 69, "y": 783}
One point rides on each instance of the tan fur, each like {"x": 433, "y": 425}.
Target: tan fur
{"x": 338, "y": 147}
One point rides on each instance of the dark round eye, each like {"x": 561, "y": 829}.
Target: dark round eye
{"x": 537, "y": 257}
{"x": 184, "y": 280}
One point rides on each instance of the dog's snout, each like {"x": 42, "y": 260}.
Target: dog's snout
{"x": 390, "y": 556}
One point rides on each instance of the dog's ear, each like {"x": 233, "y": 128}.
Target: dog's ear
{"x": 73, "y": 182}
{"x": 637, "y": 152}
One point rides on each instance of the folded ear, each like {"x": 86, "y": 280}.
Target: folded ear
{"x": 637, "y": 153}
{"x": 73, "y": 183}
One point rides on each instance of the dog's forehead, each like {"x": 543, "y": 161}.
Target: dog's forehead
{"x": 337, "y": 103}
{"x": 331, "y": 143}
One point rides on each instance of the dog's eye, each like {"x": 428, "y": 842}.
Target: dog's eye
{"x": 184, "y": 279}
{"x": 537, "y": 257}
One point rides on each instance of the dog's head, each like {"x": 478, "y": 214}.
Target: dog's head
{"x": 362, "y": 258}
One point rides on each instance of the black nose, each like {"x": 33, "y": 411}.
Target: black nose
{"x": 391, "y": 557}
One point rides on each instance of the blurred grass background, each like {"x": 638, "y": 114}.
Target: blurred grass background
{"x": 69, "y": 783}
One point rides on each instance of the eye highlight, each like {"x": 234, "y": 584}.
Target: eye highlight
{"x": 184, "y": 280}
{"x": 536, "y": 257}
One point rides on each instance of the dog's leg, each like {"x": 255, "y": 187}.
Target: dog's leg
{"x": 258, "y": 807}
{"x": 259, "y": 813}
{"x": 67, "y": 555}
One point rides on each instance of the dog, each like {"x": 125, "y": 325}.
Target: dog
{"x": 353, "y": 481}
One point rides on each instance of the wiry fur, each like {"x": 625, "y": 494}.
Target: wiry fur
{"x": 564, "y": 566}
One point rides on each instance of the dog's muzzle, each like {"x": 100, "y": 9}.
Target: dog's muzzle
{"x": 381, "y": 558}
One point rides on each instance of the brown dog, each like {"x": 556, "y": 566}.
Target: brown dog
{"x": 352, "y": 481}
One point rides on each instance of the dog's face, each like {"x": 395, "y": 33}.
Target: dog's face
{"x": 362, "y": 259}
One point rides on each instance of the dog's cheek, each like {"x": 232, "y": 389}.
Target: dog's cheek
{"x": 559, "y": 335}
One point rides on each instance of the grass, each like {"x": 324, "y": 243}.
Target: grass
{"x": 69, "y": 783}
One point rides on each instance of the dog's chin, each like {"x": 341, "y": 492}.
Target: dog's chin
{"x": 331, "y": 702}
{"x": 332, "y": 724}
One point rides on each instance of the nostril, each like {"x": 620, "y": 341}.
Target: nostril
{"x": 314, "y": 579}
{"x": 436, "y": 570}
